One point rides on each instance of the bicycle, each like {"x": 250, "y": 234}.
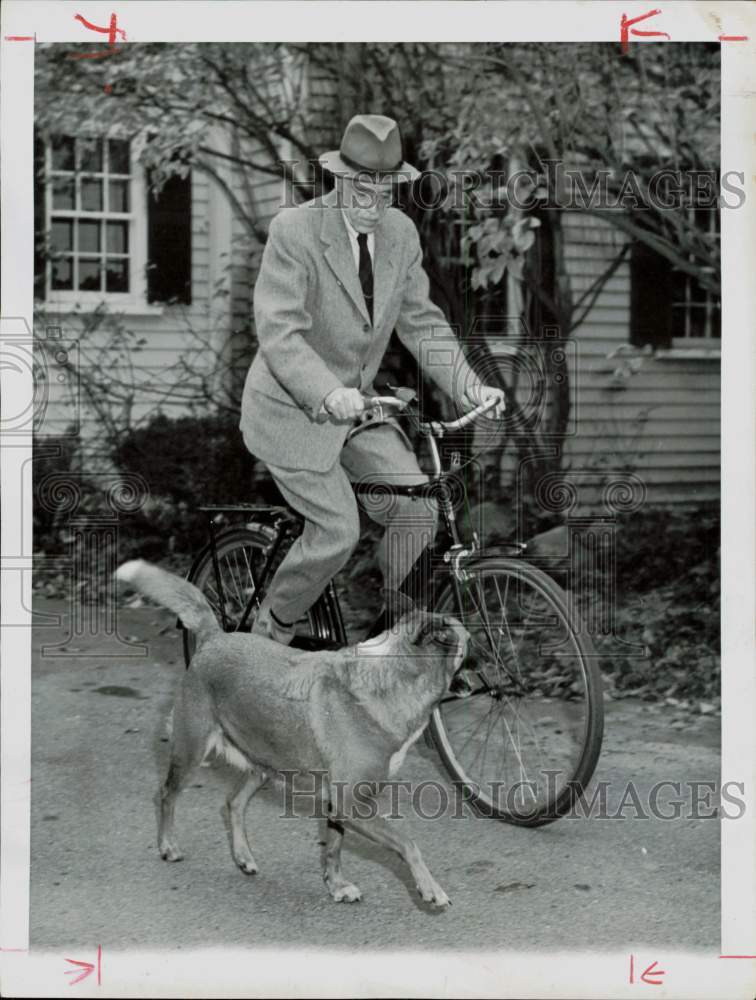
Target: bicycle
{"x": 522, "y": 724}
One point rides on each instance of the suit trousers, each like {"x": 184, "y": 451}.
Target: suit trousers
{"x": 332, "y": 527}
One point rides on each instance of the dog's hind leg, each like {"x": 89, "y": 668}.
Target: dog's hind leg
{"x": 178, "y": 772}
{"x": 380, "y": 831}
{"x": 238, "y": 801}
{"x": 192, "y": 727}
{"x": 340, "y": 888}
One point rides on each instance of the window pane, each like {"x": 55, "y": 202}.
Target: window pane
{"x": 119, "y": 156}
{"x": 63, "y": 153}
{"x": 91, "y": 195}
{"x": 118, "y": 237}
{"x": 61, "y": 235}
{"x": 678, "y": 321}
{"x": 118, "y": 196}
{"x": 63, "y": 193}
{"x": 697, "y": 320}
{"x": 62, "y": 273}
{"x": 117, "y": 275}
{"x": 89, "y": 275}
{"x": 89, "y": 237}
{"x": 90, "y": 155}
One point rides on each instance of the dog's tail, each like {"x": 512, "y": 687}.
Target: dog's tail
{"x": 182, "y": 597}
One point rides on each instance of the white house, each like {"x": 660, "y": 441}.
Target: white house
{"x": 178, "y": 270}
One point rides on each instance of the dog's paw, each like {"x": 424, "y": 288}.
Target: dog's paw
{"x": 347, "y": 893}
{"x": 168, "y": 852}
{"x": 247, "y": 863}
{"x": 434, "y": 895}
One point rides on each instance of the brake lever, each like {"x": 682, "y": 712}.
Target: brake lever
{"x": 402, "y": 392}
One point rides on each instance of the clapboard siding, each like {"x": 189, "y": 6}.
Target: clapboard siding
{"x": 167, "y": 333}
{"x": 663, "y": 421}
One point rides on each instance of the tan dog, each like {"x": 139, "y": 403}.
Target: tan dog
{"x": 268, "y": 708}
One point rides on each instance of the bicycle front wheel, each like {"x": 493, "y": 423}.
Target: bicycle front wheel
{"x": 522, "y": 725}
{"x": 241, "y": 556}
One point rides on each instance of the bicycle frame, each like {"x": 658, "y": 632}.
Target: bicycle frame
{"x": 284, "y": 523}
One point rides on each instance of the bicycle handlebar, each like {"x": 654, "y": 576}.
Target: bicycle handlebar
{"x": 373, "y": 402}
{"x": 436, "y": 428}
{"x": 440, "y": 427}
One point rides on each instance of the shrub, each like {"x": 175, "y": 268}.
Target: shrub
{"x": 187, "y": 462}
{"x": 53, "y": 456}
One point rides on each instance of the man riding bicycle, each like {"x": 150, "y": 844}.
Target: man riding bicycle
{"x": 338, "y": 275}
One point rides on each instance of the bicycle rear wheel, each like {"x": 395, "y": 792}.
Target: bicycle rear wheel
{"x": 521, "y": 728}
{"x": 241, "y": 555}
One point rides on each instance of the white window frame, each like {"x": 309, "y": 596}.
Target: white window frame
{"x": 135, "y": 300}
{"x": 707, "y": 342}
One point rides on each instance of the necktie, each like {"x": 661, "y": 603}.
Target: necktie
{"x": 366, "y": 272}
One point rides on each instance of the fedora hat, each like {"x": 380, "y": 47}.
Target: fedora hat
{"x": 371, "y": 145}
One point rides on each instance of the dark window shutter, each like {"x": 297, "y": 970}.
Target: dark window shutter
{"x": 540, "y": 271}
{"x": 169, "y": 241}
{"x": 40, "y": 233}
{"x": 651, "y": 295}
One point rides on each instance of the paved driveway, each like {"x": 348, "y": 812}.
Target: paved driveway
{"x": 98, "y": 716}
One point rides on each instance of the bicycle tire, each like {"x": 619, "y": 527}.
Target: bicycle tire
{"x": 237, "y": 543}
{"x": 501, "y": 680}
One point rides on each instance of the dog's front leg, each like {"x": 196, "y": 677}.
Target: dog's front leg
{"x": 340, "y": 888}
{"x": 380, "y": 831}
{"x": 237, "y": 804}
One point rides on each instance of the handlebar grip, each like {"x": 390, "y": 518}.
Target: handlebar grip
{"x": 373, "y": 402}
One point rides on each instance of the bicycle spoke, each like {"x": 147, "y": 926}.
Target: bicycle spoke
{"x": 503, "y": 605}
{"x": 250, "y": 574}
{"x": 472, "y": 734}
{"x": 235, "y": 577}
{"x": 486, "y": 625}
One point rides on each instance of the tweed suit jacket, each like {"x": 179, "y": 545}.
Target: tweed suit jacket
{"x": 315, "y": 334}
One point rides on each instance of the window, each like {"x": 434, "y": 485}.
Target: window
{"x": 696, "y": 312}
{"x": 95, "y": 224}
{"x": 89, "y": 202}
{"x": 670, "y": 308}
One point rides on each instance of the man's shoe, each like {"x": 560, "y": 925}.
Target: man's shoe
{"x": 266, "y": 625}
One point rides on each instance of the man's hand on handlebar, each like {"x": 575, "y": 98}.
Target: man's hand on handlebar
{"x": 349, "y": 404}
{"x": 344, "y": 404}
{"x": 479, "y": 394}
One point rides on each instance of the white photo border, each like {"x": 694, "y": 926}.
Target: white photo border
{"x": 273, "y": 973}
